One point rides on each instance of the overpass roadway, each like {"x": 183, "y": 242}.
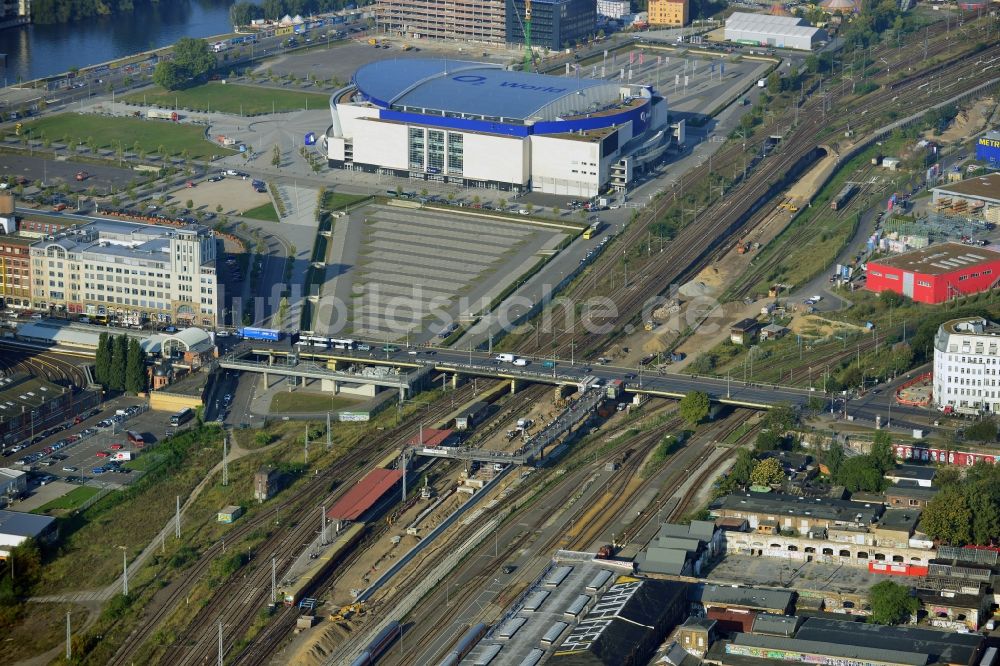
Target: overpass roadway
{"x": 563, "y": 373}
{"x": 311, "y": 370}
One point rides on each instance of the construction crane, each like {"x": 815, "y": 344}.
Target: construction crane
{"x": 529, "y": 57}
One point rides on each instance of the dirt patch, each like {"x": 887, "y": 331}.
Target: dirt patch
{"x": 813, "y": 326}
{"x": 968, "y": 122}
{"x": 235, "y": 195}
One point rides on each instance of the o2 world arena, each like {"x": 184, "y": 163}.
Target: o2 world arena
{"x": 481, "y": 125}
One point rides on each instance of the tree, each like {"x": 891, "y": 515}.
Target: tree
{"x": 193, "y": 55}
{"x": 774, "y": 83}
{"x": 858, "y": 473}
{"x": 984, "y": 431}
{"x": 882, "y": 455}
{"x": 834, "y": 459}
{"x": 781, "y": 417}
{"x": 135, "y": 368}
{"x": 948, "y": 517}
{"x": 102, "y": 359}
{"x": 273, "y": 9}
{"x": 169, "y": 75}
{"x": 891, "y": 603}
{"x": 21, "y": 572}
{"x": 742, "y": 468}
{"x": 983, "y": 503}
{"x": 694, "y": 407}
{"x": 276, "y": 156}
{"x": 767, "y": 440}
{"x": 243, "y": 13}
{"x": 189, "y": 203}
{"x": 119, "y": 353}
{"x": 766, "y": 472}
{"x": 890, "y": 299}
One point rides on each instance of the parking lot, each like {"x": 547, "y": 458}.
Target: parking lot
{"x": 413, "y": 271}
{"x": 72, "y": 454}
{"x": 235, "y": 195}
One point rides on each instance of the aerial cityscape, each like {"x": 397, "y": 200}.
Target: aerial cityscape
{"x": 510, "y": 332}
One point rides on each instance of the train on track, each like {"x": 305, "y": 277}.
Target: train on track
{"x": 464, "y": 646}
{"x": 379, "y": 644}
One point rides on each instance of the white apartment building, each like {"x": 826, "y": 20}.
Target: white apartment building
{"x": 614, "y": 9}
{"x": 967, "y": 366}
{"x": 129, "y": 273}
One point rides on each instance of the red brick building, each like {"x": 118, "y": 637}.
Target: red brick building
{"x": 937, "y": 273}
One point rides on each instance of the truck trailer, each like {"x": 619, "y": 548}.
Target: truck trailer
{"x": 162, "y": 114}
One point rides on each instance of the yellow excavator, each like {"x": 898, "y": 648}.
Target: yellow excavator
{"x": 347, "y": 612}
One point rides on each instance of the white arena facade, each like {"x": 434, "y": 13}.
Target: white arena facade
{"x": 480, "y": 125}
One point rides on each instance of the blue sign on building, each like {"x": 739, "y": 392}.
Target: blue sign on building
{"x": 988, "y": 148}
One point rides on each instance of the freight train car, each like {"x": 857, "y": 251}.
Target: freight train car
{"x": 843, "y": 197}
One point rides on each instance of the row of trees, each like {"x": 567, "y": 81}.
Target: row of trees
{"x": 65, "y": 11}
{"x": 120, "y": 364}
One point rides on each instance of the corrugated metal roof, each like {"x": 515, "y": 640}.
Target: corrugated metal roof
{"x": 365, "y": 494}
{"x": 479, "y": 89}
{"x": 23, "y": 524}
{"x": 430, "y": 437}
{"x": 766, "y": 24}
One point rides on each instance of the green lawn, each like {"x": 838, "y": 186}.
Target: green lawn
{"x": 265, "y": 213}
{"x": 308, "y": 403}
{"x": 144, "y": 462}
{"x": 152, "y": 136}
{"x": 69, "y": 501}
{"x": 229, "y": 98}
{"x": 337, "y": 200}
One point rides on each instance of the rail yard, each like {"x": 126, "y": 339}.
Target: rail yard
{"x": 493, "y": 478}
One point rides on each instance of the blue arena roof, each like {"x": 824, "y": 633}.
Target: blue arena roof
{"x": 479, "y": 89}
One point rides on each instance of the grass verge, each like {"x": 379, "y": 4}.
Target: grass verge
{"x": 69, "y": 501}
{"x": 306, "y": 403}
{"x": 229, "y": 98}
{"x": 339, "y": 200}
{"x": 265, "y": 212}
{"x": 151, "y": 136}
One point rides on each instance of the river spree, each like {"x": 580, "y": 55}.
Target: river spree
{"x": 34, "y": 51}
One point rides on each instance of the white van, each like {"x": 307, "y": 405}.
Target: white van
{"x": 521, "y": 361}
{"x": 506, "y": 358}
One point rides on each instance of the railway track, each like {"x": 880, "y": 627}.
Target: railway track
{"x": 718, "y": 225}
{"x": 238, "y": 600}
{"x": 584, "y": 533}
{"x": 263, "y": 647}
{"x": 15, "y": 360}
{"x": 533, "y": 521}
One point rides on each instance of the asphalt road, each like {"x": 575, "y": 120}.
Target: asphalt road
{"x": 565, "y": 372}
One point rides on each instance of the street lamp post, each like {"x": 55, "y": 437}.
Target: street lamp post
{"x": 124, "y": 570}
